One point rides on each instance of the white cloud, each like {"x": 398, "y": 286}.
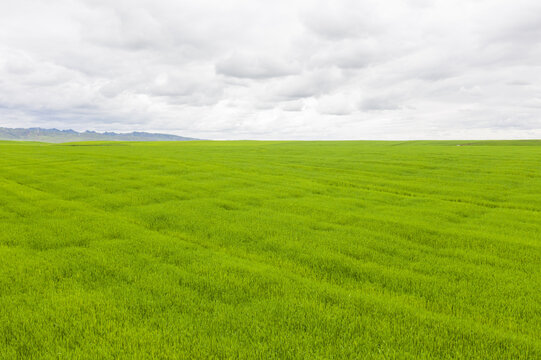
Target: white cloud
{"x": 335, "y": 104}
{"x": 283, "y": 69}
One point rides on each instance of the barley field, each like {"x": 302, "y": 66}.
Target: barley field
{"x": 270, "y": 250}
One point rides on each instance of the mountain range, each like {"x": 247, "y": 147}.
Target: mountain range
{"x": 59, "y": 136}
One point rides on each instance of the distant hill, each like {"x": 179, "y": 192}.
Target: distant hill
{"x": 59, "y": 136}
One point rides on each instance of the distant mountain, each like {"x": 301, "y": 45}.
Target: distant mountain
{"x": 60, "y": 136}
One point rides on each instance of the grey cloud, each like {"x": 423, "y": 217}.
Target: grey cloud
{"x": 238, "y": 69}
{"x": 519, "y": 83}
{"x": 254, "y": 67}
{"x": 306, "y": 85}
{"x": 378, "y": 104}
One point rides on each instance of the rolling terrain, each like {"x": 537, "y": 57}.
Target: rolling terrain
{"x": 62, "y": 136}
{"x": 270, "y": 250}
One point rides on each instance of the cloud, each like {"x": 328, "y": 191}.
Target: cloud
{"x": 254, "y": 67}
{"x": 378, "y": 103}
{"x": 274, "y": 70}
{"x": 305, "y": 85}
{"x": 339, "y": 20}
{"x": 335, "y": 104}
{"x": 295, "y": 105}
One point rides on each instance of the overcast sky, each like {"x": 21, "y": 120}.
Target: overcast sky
{"x": 276, "y": 69}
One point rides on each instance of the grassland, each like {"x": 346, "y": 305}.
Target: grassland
{"x": 262, "y": 250}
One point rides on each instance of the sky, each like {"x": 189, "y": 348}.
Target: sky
{"x": 281, "y": 69}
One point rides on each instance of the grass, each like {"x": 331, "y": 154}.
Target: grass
{"x": 270, "y": 250}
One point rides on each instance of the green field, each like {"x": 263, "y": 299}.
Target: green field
{"x": 270, "y": 250}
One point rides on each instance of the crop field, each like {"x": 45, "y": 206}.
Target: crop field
{"x": 270, "y": 250}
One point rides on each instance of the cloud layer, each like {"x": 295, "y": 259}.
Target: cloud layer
{"x": 238, "y": 69}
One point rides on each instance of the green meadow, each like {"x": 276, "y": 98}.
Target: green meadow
{"x": 270, "y": 250}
